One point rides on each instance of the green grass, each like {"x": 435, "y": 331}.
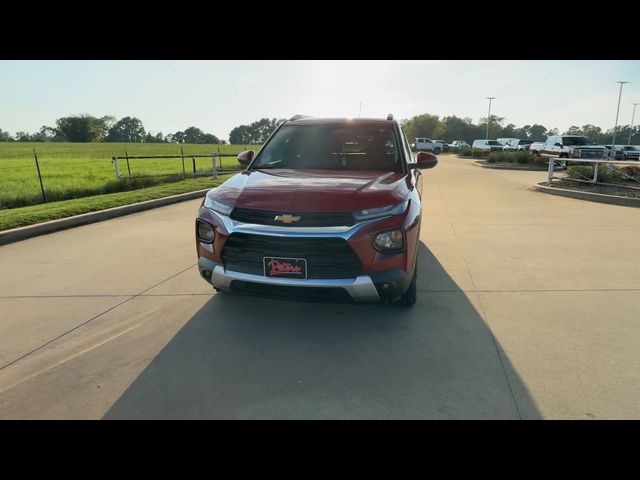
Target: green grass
{"x": 20, "y": 217}
{"x": 77, "y": 170}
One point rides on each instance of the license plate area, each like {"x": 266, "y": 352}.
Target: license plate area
{"x": 281, "y": 267}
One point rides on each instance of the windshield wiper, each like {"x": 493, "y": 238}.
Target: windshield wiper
{"x": 265, "y": 167}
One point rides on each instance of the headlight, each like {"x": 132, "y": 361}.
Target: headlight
{"x": 391, "y": 241}
{"x": 205, "y": 231}
{"x": 217, "y": 206}
{"x": 381, "y": 212}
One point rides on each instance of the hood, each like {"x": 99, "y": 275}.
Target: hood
{"x": 313, "y": 190}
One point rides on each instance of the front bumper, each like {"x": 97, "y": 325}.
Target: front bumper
{"x": 372, "y": 287}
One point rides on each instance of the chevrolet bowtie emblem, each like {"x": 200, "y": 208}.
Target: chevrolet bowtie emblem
{"x": 286, "y": 218}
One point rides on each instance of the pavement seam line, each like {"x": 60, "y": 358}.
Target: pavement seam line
{"x": 68, "y": 359}
{"x": 482, "y": 310}
{"x": 93, "y": 318}
{"x": 538, "y": 290}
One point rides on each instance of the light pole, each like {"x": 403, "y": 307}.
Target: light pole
{"x": 489, "y": 116}
{"x": 613, "y": 145}
{"x": 632, "y": 117}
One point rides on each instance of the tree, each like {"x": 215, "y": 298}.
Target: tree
{"x": 83, "y": 128}
{"x": 178, "y": 137}
{"x": 23, "y": 137}
{"x": 255, "y": 133}
{"x": 425, "y": 125}
{"x": 537, "y": 133}
{"x": 509, "y": 131}
{"x": 456, "y": 128}
{"x": 593, "y": 133}
{"x": 5, "y": 136}
{"x": 127, "y": 129}
{"x": 573, "y": 130}
{"x": 495, "y": 127}
{"x": 157, "y": 138}
{"x": 239, "y": 136}
{"x": 210, "y": 139}
{"x": 193, "y": 135}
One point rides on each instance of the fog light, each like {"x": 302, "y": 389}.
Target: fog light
{"x": 205, "y": 231}
{"x": 206, "y": 273}
{"x": 390, "y": 241}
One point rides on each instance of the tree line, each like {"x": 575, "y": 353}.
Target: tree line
{"x": 86, "y": 128}
{"x": 89, "y": 129}
{"x": 453, "y": 128}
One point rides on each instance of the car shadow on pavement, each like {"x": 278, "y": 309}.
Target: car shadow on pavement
{"x": 248, "y": 358}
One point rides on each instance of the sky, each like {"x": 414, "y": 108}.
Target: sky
{"x": 218, "y": 95}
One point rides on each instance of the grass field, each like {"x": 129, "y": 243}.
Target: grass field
{"x": 76, "y": 170}
{"x": 20, "y": 217}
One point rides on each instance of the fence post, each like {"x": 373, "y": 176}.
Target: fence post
{"x": 213, "y": 162}
{"x": 550, "y": 171}
{"x": 219, "y": 156}
{"x": 595, "y": 173}
{"x": 44, "y": 197}
{"x": 184, "y": 173}
{"x": 126, "y": 154}
{"x": 193, "y": 159}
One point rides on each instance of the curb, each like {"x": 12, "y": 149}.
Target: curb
{"x": 592, "y": 197}
{"x": 22, "y": 233}
{"x": 524, "y": 167}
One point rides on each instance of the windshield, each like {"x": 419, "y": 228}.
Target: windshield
{"x": 576, "y": 141}
{"x": 332, "y": 147}
{"x": 493, "y": 142}
{"x": 525, "y": 142}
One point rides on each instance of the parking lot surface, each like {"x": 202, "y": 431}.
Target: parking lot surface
{"x": 528, "y": 308}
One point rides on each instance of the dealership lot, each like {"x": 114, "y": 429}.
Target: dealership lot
{"x": 528, "y": 307}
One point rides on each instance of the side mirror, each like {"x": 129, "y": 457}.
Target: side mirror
{"x": 244, "y": 158}
{"x": 425, "y": 160}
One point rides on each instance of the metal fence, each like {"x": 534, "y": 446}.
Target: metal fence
{"x": 215, "y": 168}
{"x": 596, "y": 162}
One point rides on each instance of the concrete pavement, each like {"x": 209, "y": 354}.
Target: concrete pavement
{"x": 529, "y": 307}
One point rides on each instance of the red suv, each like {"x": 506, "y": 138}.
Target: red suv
{"x": 328, "y": 209}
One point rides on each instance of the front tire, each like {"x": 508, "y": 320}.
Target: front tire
{"x": 411, "y": 295}
{"x": 436, "y": 150}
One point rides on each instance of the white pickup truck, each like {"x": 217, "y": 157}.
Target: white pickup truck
{"x": 536, "y": 148}
{"x": 572, "y": 146}
{"x": 428, "y": 145}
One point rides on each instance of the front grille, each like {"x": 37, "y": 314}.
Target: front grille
{"x": 306, "y": 294}
{"x": 326, "y": 257}
{"x": 266, "y": 217}
{"x": 588, "y": 153}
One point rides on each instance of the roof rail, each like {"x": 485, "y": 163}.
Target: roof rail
{"x": 298, "y": 117}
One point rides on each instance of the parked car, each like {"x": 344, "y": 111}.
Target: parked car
{"x": 328, "y": 209}
{"x": 428, "y": 145}
{"x": 456, "y": 145}
{"x": 505, "y": 141}
{"x": 629, "y": 152}
{"x": 536, "y": 148}
{"x": 572, "y": 146}
{"x": 487, "y": 145}
{"x": 619, "y": 153}
{"x": 516, "y": 145}
{"x": 445, "y": 145}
